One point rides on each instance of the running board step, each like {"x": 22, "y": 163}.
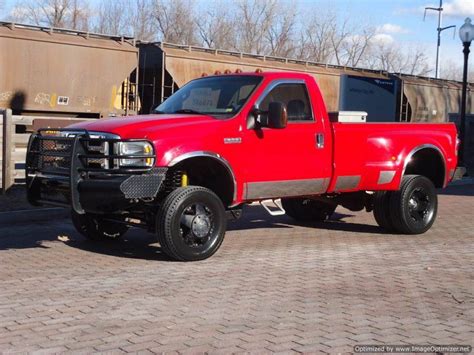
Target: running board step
{"x": 273, "y": 207}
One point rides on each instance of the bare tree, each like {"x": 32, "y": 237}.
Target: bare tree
{"x": 338, "y": 39}
{"x": 112, "y": 17}
{"x": 53, "y": 12}
{"x": 255, "y": 27}
{"x": 79, "y": 15}
{"x": 280, "y": 35}
{"x": 324, "y": 39}
{"x": 74, "y": 14}
{"x": 141, "y": 20}
{"x": 217, "y": 28}
{"x": 255, "y": 19}
{"x": 42, "y": 12}
{"x": 392, "y": 57}
{"x": 451, "y": 70}
{"x": 175, "y": 21}
{"x": 416, "y": 62}
{"x": 126, "y": 17}
{"x": 454, "y": 71}
{"x": 384, "y": 56}
{"x": 354, "y": 48}
{"x": 265, "y": 27}
{"x": 316, "y": 35}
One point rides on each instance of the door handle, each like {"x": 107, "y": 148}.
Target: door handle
{"x": 319, "y": 140}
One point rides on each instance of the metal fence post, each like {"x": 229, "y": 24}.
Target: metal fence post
{"x": 7, "y": 180}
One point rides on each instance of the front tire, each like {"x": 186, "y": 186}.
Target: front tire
{"x": 96, "y": 228}
{"x": 307, "y": 210}
{"x": 414, "y": 207}
{"x": 191, "y": 223}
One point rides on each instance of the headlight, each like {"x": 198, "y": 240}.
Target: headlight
{"x": 141, "y": 149}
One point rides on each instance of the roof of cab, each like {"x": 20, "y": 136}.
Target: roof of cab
{"x": 268, "y": 74}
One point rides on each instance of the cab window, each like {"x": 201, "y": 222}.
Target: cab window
{"x": 295, "y": 97}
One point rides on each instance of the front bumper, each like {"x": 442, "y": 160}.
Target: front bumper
{"x": 59, "y": 172}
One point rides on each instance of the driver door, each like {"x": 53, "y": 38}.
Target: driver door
{"x": 289, "y": 161}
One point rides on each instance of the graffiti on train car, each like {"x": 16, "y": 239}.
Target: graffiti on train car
{"x": 42, "y": 98}
{"x": 6, "y": 96}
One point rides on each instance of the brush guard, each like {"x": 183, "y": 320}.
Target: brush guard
{"x": 79, "y": 169}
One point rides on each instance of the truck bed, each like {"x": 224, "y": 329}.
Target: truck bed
{"x": 362, "y": 151}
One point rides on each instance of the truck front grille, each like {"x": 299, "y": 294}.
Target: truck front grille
{"x": 59, "y": 151}
{"x": 54, "y": 154}
{"x": 51, "y": 155}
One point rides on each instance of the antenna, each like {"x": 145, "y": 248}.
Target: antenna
{"x": 439, "y": 30}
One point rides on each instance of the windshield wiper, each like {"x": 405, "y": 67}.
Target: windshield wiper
{"x": 188, "y": 110}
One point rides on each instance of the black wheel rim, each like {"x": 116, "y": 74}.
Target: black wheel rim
{"x": 197, "y": 226}
{"x": 420, "y": 206}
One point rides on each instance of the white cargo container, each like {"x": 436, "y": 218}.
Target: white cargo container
{"x": 348, "y": 116}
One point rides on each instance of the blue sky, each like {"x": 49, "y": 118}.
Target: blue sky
{"x": 400, "y": 21}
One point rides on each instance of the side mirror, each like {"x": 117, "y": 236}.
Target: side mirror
{"x": 277, "y": 115}
{"x": 253, "y": 121}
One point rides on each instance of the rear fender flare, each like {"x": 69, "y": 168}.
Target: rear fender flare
{"x": 417, "y": 149}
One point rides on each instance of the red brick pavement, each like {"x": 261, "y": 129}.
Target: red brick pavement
{"x": 273, "y": 287}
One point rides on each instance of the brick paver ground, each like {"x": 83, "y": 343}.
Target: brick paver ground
{"x": 274, "y": 287}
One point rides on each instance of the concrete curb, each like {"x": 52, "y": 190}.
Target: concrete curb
{"x": 40, "y": 214}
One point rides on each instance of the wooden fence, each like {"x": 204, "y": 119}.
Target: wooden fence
{"x": 14, "y": 134}
{"x": 6, "y": 149}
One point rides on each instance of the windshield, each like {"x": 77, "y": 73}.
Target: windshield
{"x": 223, "y": 96}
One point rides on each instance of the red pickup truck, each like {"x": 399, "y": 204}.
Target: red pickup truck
{"x": 223, "y": 141}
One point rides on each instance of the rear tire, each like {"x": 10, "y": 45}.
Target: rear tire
{"x": 414, "y": 206}
{"x": 191, "y": 223}
{"x": 382, "y": 210}
{"x": 307, "y": 210}
{"x": 96, "y": 228}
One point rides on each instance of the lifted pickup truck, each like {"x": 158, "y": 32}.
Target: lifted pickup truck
{"x": 223, "y": 141}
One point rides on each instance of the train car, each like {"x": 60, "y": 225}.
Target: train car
{"x": 58, "y": 72}
{"x": 391, "y": 97}
{"x": 432, "y": 100}
{"x": 165, "y": 67}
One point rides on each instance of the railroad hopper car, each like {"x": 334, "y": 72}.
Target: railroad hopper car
{"x": 386, "y": 96}
{"x": 62, "y": 73}
{"x": 58, "y": 74}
